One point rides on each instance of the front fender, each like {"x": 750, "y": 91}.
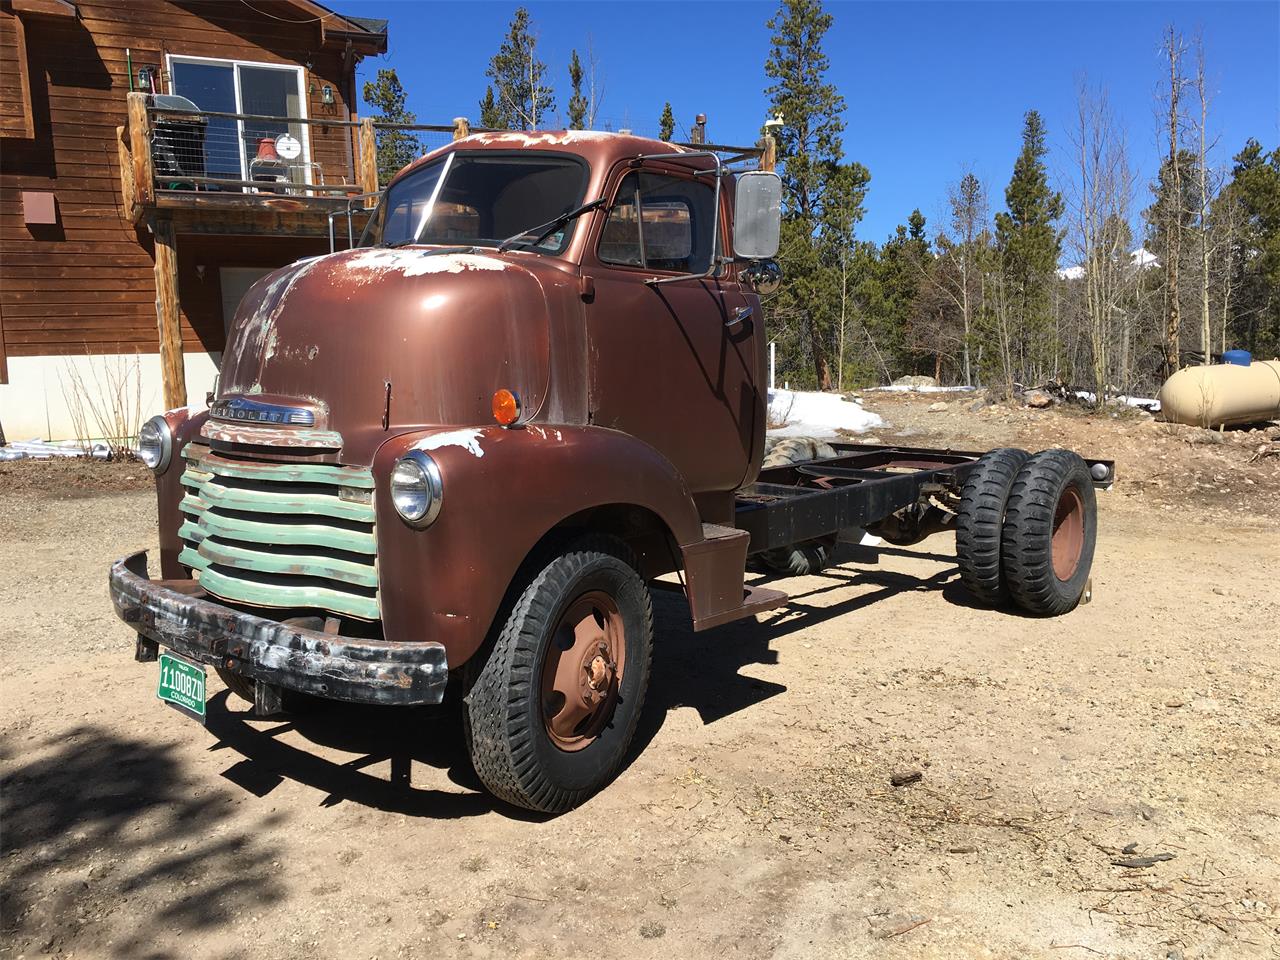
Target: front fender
{"x": 504, "y": 489}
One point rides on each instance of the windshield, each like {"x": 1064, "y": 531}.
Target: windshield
{"x": 480, "y": 199}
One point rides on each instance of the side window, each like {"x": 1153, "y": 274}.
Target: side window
{"x": 662, "y": 223}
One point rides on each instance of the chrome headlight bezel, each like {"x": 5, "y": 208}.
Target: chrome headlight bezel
{"x": 155, "y": 444}
{"x": 416, "y": 475}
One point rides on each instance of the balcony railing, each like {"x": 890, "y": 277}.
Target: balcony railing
{"x": 179, "y": 159}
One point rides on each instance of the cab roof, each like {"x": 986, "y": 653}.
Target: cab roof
{"x": 598, "y": 148}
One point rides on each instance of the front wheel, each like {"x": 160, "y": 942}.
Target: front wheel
{"x": 553, "y": 709}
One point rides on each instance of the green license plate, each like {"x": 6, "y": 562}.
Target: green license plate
{"x": 182, "y": 684}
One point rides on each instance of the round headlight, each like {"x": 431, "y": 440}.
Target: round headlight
{"x": 155, "y": 443}
{"x": 416, "y": 488}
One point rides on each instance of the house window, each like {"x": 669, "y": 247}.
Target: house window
{"x": 245, "y": 149}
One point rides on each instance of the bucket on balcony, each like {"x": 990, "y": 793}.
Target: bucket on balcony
{"x": 267, "y": 165}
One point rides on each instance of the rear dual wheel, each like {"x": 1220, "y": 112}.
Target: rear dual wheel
{"x": 1026, "y": 530}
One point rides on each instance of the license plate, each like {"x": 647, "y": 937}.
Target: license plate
{"x": 182, "y": 684}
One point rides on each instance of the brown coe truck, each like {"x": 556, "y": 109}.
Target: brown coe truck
{"x": 457, "y": 458}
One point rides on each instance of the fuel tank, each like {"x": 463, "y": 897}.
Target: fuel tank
{"x": 1222, "y": 394}
{"x": 378, "y": 340}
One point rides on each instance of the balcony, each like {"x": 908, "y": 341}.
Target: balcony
{"x": 208, "y": 172}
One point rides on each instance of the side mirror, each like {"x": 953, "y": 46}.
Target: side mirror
{"x": 757, "y": 215}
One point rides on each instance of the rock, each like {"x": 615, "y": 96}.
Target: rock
{"x": 915, "y": 382}
{"x": 937, "y": 407}
{"x": 1037, "y": 399}
{"x": 977, "y": 405}
{"x": 905, "y": 778}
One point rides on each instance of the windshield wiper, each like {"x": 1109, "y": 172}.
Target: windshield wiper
{"x": 544, "y": 230}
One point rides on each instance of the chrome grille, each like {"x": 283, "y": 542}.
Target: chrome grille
{"x": 292, "y": 535}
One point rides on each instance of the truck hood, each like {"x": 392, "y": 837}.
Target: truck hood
{"x": 444, "y": 330}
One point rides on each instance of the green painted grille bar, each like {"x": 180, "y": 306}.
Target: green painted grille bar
{"x": 294, "y": 564}
{"x": 210, "y": 465}
{"x": 216, "y": 495}
{"x": 278, "y": 595}
{"x": 291, "y": 534}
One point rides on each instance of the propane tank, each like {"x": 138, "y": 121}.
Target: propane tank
{"x": 1222, "y": 394}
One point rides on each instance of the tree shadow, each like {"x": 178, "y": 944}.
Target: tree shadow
{"x": 97, "y": 820}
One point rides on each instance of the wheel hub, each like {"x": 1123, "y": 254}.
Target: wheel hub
{"x": 582, "y": 671}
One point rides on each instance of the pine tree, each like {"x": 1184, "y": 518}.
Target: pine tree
{"x": 396, "y": 148}
{"x": 822, "y": 196}
{"x": 524, "y": 98}
{"x": 577, "y": 102}
{"x": 666, "y": 123}
{"x": 1255, "y": 186}
{"x": 492, "y": 116}
{"x": 1030, "y": 243}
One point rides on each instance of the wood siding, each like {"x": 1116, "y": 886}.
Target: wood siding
{"x": 86, "y": 284}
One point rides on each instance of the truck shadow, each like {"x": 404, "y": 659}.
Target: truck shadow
{"x": 94, "y": 820}
{"x": 391, "y": 739}
{"x": 385, "y": 744}
{"x": 703, "y": 670}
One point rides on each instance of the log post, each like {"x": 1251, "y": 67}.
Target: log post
{"x": 127, "y": 203}
{"x": 461, "y": 128}
{"x": 769, "y": 155}
{"x": 144, "y": 174}
{"x": 368, "y": 159}
{"x": 167, "y": 317}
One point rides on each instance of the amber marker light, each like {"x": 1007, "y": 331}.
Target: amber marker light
{"x": 506, "y": 407}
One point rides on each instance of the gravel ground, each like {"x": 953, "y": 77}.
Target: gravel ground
{"x": 758, "y": 817}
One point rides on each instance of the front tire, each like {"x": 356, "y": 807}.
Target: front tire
{"x": 553, "y": 709}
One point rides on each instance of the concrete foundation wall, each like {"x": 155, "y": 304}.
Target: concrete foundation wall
{"x": 38, "y": 400}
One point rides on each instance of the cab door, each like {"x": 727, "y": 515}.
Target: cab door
{"x": 679, "y": 364}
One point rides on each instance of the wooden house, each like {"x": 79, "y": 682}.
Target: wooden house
{"x": 156, "y": 158}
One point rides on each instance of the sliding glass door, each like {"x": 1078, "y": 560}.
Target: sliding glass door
{"x": 246, "y": 149}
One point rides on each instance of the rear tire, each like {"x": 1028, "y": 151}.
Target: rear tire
{"x": 809, "y": 556}
{"x": 980, "y": 522}
{"x": 518, "y": 746}
{"x": 1050, "y": 531}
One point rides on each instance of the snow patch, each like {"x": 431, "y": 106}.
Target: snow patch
{"x": 817, "y": 414}
{"x": 469, "y": 440}
{"x": 1142, "y": 403}
{"x": 896, "y": 388}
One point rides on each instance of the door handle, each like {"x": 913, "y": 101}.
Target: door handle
{"x": 740, "y": 315}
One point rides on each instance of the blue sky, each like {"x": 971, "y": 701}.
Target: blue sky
{"x": 933, "y": 88}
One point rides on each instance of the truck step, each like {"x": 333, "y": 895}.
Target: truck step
{"x": 714, "y": 569}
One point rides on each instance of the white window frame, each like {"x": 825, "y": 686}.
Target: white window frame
{"x": 298, "y": 72}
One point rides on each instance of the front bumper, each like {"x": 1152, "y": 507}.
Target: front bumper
{"x": 321, "y": 664}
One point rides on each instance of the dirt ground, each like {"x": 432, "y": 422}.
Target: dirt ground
{"x": 757, "y": 817}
